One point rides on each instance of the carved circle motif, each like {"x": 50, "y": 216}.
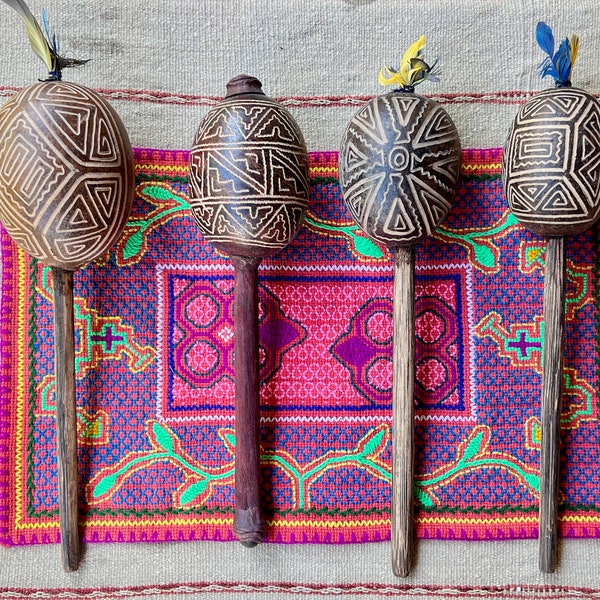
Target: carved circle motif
{"x": 66, "y": 173}
{"x": 551, "y": 164}
{"x": 399, "y": 164}
{"x": 249, "y": 176}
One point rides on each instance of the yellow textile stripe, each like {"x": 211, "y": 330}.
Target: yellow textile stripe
{"x": 327, "y": 170}
{"x": 162, "y": 168}
{"x": 185, "y": 169}
{"x": 141, "y": 523}
{"x": 130, "y": 523}
{"x": 329, "y": 524}
{"x": 485, "y": 167}
{"x": 313, "y": 171}
{"x": 23, "y": 356}
{"x": 322, "y": 524}
{"x": 476, "y": 520}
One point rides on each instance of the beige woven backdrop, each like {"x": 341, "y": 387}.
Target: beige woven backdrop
{"x": 163, "y": 64}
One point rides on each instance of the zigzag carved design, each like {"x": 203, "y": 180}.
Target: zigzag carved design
{"x": 249, "y": 176}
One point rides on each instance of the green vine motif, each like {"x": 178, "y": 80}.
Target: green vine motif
{"x": 200, "y": 481}
{"x": 166, "y": 447}
{"x": 483, "y": 252}
{"x": 365, "y": 455}
{"x": 363, "y": 245}
{"x": 473, "y": 454}
{"x": 578, "y": 295}
{"x": 168, "y": 205}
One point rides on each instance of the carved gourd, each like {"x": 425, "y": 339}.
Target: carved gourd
{"x": 551, "y": 178}
{"x": 399, "y": 164}
{"x": 249, "y": 195}
{"x": 66, "y": 173}
{"x": 551, "y": 171}
{"x": 66, "y": 190}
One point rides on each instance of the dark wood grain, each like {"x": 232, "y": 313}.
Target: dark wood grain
{"x": 248, "y": 524}
{"x": 249, "y": 194}
{"x": 552, "y": 391}
{"x": 66, "y": 417}
{"x": 403, "y": 412}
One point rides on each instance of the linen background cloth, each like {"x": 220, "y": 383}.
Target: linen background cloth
{"x": 163, "y": 65}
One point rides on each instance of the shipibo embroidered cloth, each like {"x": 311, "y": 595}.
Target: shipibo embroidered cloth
{"x": 154, "y": 352}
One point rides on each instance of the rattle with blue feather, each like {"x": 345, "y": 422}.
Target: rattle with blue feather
{"x": 551, "y": 179}
{"x": 560, "y": 63}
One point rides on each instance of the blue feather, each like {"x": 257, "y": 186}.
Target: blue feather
{"x": 562, "y": 61}
{"x": 557, "y": 64}
{"x": 545, "y": 38}
{"x": 547, "y": 68}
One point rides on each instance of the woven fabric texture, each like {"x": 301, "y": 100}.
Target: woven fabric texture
{"x": 154, "y": 367}
{"x": 163, "y": 66}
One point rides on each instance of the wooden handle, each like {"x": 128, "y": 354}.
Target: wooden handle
{"x": 552, "y": 389}
{"x": 248, "y": 524}
{"x": 403, "y": 446}
{"x": 66, "y": 417}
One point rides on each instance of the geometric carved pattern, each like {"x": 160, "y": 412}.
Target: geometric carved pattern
{"x": 551, "y": 166}
{"x": 399, "y": 164}
{"x": 66, "y": 173}
{"x": 249, "y": 176}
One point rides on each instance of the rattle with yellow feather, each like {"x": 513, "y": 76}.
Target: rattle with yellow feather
{"x": 66, "y": 190}
{"x": 399, "y": 164}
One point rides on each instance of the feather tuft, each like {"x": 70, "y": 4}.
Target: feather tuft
{"x": 412, "y": 71}
{"x": 38, "y": 42}
{"x": 45, "y": 45}
{"x": 559, "y": 64}
{"x": 545, "y": 38}
{"x": 574, "y": 43}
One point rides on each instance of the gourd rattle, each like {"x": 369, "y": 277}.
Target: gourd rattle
{"x": 66, "y": 189}
{"x": 552, "y": 185}
{"x": 249, "y": 194}
{"x": 399, "y": 164}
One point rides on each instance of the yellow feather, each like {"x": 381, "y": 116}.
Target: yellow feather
{"x": 414, "y": 50}
{"x": 36, "y": 38}
{"x": 406, "y": 75}
{"x": 391, "y": 79}
{"x": 574, "y": 43}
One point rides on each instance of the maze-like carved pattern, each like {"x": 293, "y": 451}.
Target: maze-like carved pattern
{"x": 399, "y": 165}
{"x": 249, "y": 177}
{"x": 66, "y": 173}
{"x": 551, "y": 166}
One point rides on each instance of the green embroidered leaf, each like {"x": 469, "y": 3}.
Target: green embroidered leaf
{"x": 367, "y": 247}
{"x": 193, "y": 491}
{"x": 230, "y": 439}
{"x": 134, "y": 244}
{"x": 473, "y": 447}
{"x": 371, "y": 446}
{"x": 105, "y": 485}
{"x": 422, "y": 498}
{"x": 532, "y": 480}
{"x": 158, "y": 193}
{"x": 484, "y": 255}
{"x": 163, "y": 437}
